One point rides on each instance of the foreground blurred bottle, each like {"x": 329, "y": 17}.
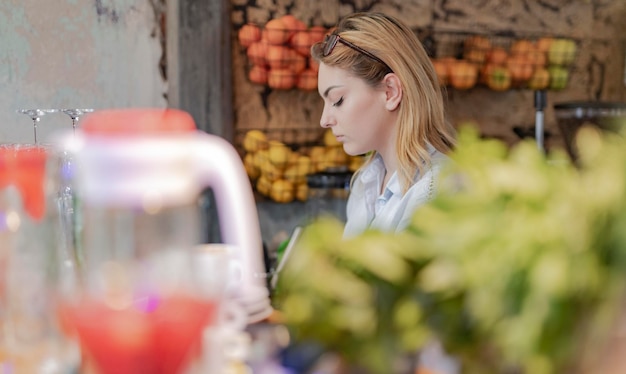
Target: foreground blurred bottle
{"x": 139, "y": 301}
{"x": 29, "y": 265}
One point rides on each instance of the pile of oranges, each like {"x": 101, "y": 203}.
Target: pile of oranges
{"x": 279, "y": 52}
{"x": 525, "y": 63}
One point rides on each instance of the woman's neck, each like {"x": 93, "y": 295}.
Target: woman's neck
{"x": 390, "y": 164}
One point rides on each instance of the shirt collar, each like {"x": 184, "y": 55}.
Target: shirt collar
{"x": 373, "y": 170}
{"x": 377, "y": 168}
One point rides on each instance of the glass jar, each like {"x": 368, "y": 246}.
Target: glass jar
{"x": 31, "y": 262}
{"x": 328, "y": 194}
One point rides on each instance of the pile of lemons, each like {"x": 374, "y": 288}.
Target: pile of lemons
{"x": 280, "y": 173}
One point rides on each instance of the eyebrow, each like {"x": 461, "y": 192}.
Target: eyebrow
{"x": 329, "y": 89}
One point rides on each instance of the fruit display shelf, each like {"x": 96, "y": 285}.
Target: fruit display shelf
{"x": 502, "y": 62}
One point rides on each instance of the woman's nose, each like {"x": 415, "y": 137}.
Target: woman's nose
{"x": 325, "y": 120}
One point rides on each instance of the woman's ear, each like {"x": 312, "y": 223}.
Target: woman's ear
{"x": 393, "y": 91}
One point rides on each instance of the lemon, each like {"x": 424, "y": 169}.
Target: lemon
{"x": 293, "y": 174}
{"x": 270, "y": 171}
{"x": 282, "y": 191}
{"x": 303, "y": 165}
{"x": 332, "y": 157}
{"x": 336, "y": 156}
{"x": 260, "y": 158}
{"x": 254, "y": 140}
{"x": 251, "y": 169}
{"x": 279, "y": 154}
{"x": 317, "y": 157}
{"x": 263, "y": 185}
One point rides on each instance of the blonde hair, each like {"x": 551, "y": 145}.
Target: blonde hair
{"x": 421, "y": 114}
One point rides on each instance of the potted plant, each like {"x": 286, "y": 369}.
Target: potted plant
{"x": 515, "y": 267}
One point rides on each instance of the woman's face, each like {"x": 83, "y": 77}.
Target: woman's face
{"x": 354, "y": 111}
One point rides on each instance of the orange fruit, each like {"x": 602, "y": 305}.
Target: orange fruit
{"x": 521, "y": 46}
{"x": 484, "y": 71}
{"x": 497, "y": 56}
{"x": 249, "y": 34}
{"x": 307, "y": 80}
{"x": 293, "y": 24}
{"x": 543, "y": 44}
{"x": 475, "y": 55}
{"x": 302, "y": 42}
{"x": 258, "y": 74}
{"x": 521, "y": 69}
{"x": 276, "y": 32}
{"x": 278, "y": 56}
{"x": 282, "y": 79}
{"x": 317, "y": 33}
{"x": 441, "y": 68}
{"x": 257, "y": 53}
{"x": 536, "y": 58}
{"x": 463, "y": 75}
{"x": 297, "y": 62}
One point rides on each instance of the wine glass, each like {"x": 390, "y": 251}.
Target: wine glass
{"x": 67, "y": 198}
{"x": 75, "y": 115}
{"x": 35, "y": 115}
{"x": 31, "y": 339}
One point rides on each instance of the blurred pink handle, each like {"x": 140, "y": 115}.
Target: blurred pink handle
{"x": 222, "y": 169}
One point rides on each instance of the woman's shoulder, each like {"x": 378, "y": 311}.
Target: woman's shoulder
{"x": 437, "y": 161}
{"x": 436, "y": 156}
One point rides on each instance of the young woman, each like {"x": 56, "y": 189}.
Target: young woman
{"x": 381, "y": 96}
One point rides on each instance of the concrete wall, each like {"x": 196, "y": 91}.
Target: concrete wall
{"x": 77, "y": 54}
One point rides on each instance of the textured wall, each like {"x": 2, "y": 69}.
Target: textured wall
{"x": 75, "y": 53}
{"x": 597, "y": 25}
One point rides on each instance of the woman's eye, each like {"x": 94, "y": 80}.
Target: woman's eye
{"x": 338, "y": 102}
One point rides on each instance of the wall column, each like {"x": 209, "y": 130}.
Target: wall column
{"x": 199, "y": 63}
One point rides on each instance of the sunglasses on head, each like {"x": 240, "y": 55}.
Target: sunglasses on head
{"x": 330, "y": 42}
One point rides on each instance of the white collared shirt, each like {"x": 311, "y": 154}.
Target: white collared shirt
{"x": 390, "y": 211}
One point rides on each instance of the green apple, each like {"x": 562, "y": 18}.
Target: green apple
{"x": 558, "y": 77}
{"x": 562, "y": 52}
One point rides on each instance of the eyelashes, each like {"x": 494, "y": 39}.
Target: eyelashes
{"x": 338, "y": 102}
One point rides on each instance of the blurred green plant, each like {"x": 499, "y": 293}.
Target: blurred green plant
{"x": 516, "y": 266}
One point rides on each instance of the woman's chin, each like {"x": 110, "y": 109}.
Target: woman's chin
{"x": 359, "y": 152}
{"x": 351, "y": 150}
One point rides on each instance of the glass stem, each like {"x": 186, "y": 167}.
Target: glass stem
{"x": 35, "y": 129}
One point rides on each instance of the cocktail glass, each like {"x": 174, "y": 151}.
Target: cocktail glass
{"x": 35, "y": 115}
{"x": 75, "y": 115}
